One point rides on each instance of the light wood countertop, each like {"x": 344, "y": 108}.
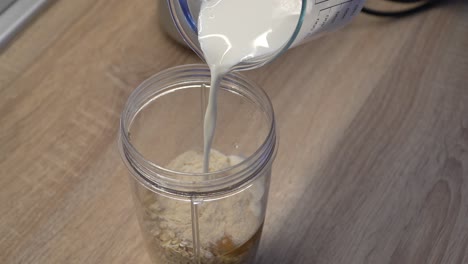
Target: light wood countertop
{"x": 372, "y": 166}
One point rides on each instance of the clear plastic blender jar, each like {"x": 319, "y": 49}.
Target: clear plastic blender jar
{"x": 187, "y": 216}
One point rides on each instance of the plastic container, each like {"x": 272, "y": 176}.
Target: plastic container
{"x": 316, "y": 17}
{"x": 187, "y": 216}
{"x": 166, "y": 23}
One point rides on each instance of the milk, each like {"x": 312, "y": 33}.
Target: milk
{"x": 232, "y": 32}
{"x": 266, "y": 26}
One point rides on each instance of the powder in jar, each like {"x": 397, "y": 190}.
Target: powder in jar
{"x": 229, "y": 228}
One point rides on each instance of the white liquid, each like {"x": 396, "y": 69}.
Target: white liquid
{"x": 231, "y": 31}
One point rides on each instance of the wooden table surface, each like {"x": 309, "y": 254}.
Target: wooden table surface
{"x": 373, "y": 120}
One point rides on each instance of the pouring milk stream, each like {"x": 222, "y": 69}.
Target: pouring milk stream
{"x": 242, "y": 34}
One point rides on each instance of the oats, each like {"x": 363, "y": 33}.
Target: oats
{"x": 229, "y": 228}
{"x": 163, "y": 225}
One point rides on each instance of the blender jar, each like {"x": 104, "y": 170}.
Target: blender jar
{"x": 187, "y": 216}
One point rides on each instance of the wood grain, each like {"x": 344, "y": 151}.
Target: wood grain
{"x": 373, "y": 120}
